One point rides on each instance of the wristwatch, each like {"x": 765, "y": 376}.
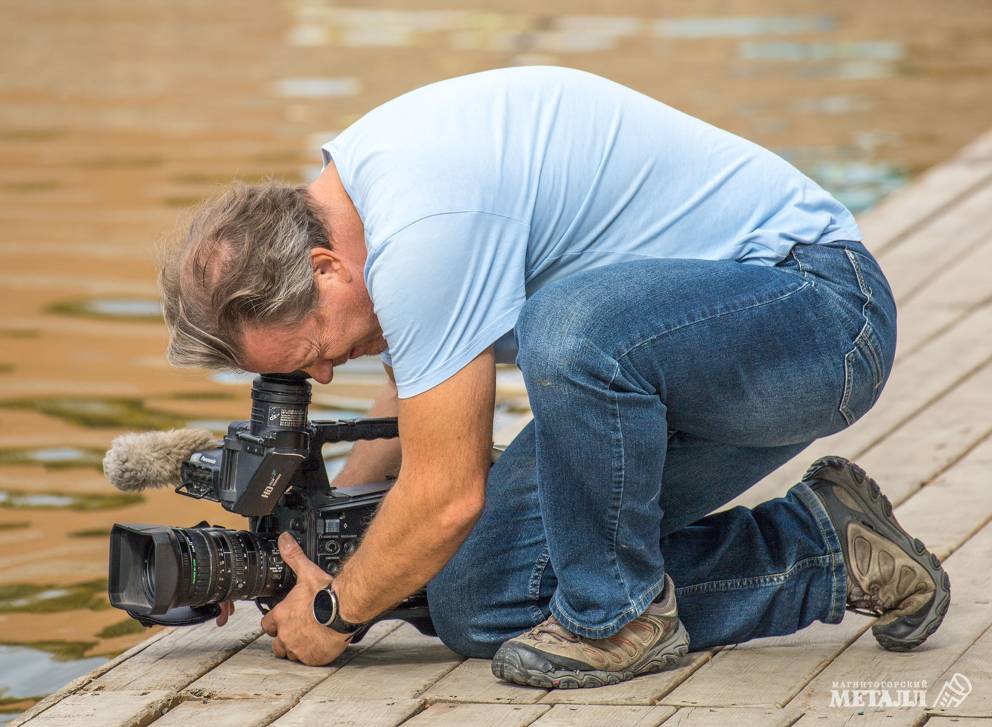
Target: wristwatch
{"x": 327, "y": 612}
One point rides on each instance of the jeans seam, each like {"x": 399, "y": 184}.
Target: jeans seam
{"x": 768, "y": 579}
{"x": 802, "y": 268}
{"x": 615, "y": 525}
{"x": 863, "y": 341}
{"x": 637, "y": 607}
{"x": 807, "y": 283}
{"x": 831, "y": 538}
{"x": 534, "y": 586}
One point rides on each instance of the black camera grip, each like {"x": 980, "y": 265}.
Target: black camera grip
{"x": 353, "y": 430}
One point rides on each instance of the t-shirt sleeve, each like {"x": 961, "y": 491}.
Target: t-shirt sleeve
{"x": 444, "y": 289}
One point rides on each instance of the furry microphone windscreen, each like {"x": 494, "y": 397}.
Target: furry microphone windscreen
{"x": 152, "y": 459}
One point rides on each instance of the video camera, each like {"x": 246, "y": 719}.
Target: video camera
{"x": 269, "y": 469}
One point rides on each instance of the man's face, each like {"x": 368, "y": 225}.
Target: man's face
{"x": 343, "y": 326}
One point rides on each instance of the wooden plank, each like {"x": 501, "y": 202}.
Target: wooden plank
{"x": 864, "y": 718}
{"x": 586, "y": 715}
{"x": 927, "y": 445}
{"x": 473, "y": 681}
{"x": 125, "y": 708}
{"x": 401, "y": 666}
{"x": 714, "y": 717}
{"x": 957, "y": 722}
{"x": 221, "y": 713}
{"x": 343, "y": 713}
{"x": 771, "y": 671}
{"x": 955, "y": 506}
{"x": 256, "y": 673}
{"x": 933, "y": 194}
{"x": 183, "y": 655}
{"x": 646, "y": 690}
{"x": 767, "y": 672}
{"x": 478, "y": 715}
{"x": 909, "y": 265}
{"x": 975, "y": 665}
{"x": 968, "y": 617}
{"x": 949, "y": 296}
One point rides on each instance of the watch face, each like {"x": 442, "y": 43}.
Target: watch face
{"x": 324, "y": 607}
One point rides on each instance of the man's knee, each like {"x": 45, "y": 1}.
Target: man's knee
{"x": 556, "y": 330}
{"x": 459, "y": 624}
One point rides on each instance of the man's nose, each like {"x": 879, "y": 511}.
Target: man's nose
{"x": 321, "y": 372}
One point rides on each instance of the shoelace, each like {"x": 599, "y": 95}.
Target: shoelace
{"x": 551, "y": 627}
{"x": 867, "y": 603}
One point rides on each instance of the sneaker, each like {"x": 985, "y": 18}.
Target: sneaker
{"x": 890, "y": 574}
{"x": 550, "y": 656}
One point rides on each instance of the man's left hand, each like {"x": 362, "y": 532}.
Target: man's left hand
{"x": 298, "y": 636}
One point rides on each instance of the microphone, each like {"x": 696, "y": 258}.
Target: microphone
{"x": 152, "y": 459}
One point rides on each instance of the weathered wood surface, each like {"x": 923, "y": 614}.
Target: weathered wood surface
{"x": 928, "y": 442}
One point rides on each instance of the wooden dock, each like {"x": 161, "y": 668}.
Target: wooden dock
{"x": 928, "y": 442}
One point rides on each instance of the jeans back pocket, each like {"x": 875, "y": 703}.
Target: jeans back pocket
{"x": 863, "y": 376}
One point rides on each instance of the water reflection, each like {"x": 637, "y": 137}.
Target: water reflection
{"x": 27, "y": 674}
{"x": 859, "y": 185}
{"x": 133, "y": 308}
{"x": 733, "y": 27}
{"x": 23, "y": 499}
{"x": 317, "y": 87}
{"x": 53, "y": 457}
{"x": 233, "y": 378}
{"x": 120, "y": 413}
{"x": 821, "y": 51}
{"x": 832, "y": 105}
{"x": 27, "y": 597}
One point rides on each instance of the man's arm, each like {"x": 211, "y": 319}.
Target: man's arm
{"x": 446, "y": 440}
{"x": 375, "y": 459}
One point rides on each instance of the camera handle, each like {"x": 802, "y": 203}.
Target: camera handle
{"x": 352, "y": 430}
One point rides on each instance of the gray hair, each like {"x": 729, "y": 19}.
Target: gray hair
{"x": 240, "y": 259}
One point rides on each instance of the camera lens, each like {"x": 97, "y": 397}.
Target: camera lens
{"x": 229, "y": 565}
{"x": 154, "y": 569}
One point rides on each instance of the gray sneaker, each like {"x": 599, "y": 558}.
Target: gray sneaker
{"x": 890, "y": 574}
{"x": 551, "y": 656}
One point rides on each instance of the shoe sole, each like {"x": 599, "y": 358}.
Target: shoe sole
{"x": 664, "y": 655}
{"x": 865, "y": 490}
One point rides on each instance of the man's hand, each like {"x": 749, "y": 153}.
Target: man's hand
{"x": 226, "y": 611}
{"x": 298, "y": 636}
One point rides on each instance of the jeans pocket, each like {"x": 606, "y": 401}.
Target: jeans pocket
{"x": 863, "y": 376}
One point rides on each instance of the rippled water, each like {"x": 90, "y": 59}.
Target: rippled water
{"x": 114, "y": 117}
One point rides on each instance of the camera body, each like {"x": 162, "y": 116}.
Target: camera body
{"x": 269, "y": 469}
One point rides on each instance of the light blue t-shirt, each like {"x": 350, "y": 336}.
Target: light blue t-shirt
{"x": 476, "y": 191}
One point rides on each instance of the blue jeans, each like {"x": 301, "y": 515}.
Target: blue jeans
{"x": 661, "y": 390}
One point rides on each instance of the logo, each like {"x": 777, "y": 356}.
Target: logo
{"x": 953, "y": 693}
{"x": 273, "y": 481}
{"x": 897, "y": 694}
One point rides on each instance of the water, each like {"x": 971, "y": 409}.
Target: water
{"x": 125, "y": 308}
{"x": 99, "y": 156}
{"x": 31, "y": 673}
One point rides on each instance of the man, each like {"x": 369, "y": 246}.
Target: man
{"x": 689, "y": 312}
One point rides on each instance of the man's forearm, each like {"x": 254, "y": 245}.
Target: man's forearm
{"x": 373, "y": 460}
{"x": 415, "y": 532}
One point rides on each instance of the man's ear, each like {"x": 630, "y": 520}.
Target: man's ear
{"x": 327, "y": 262}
